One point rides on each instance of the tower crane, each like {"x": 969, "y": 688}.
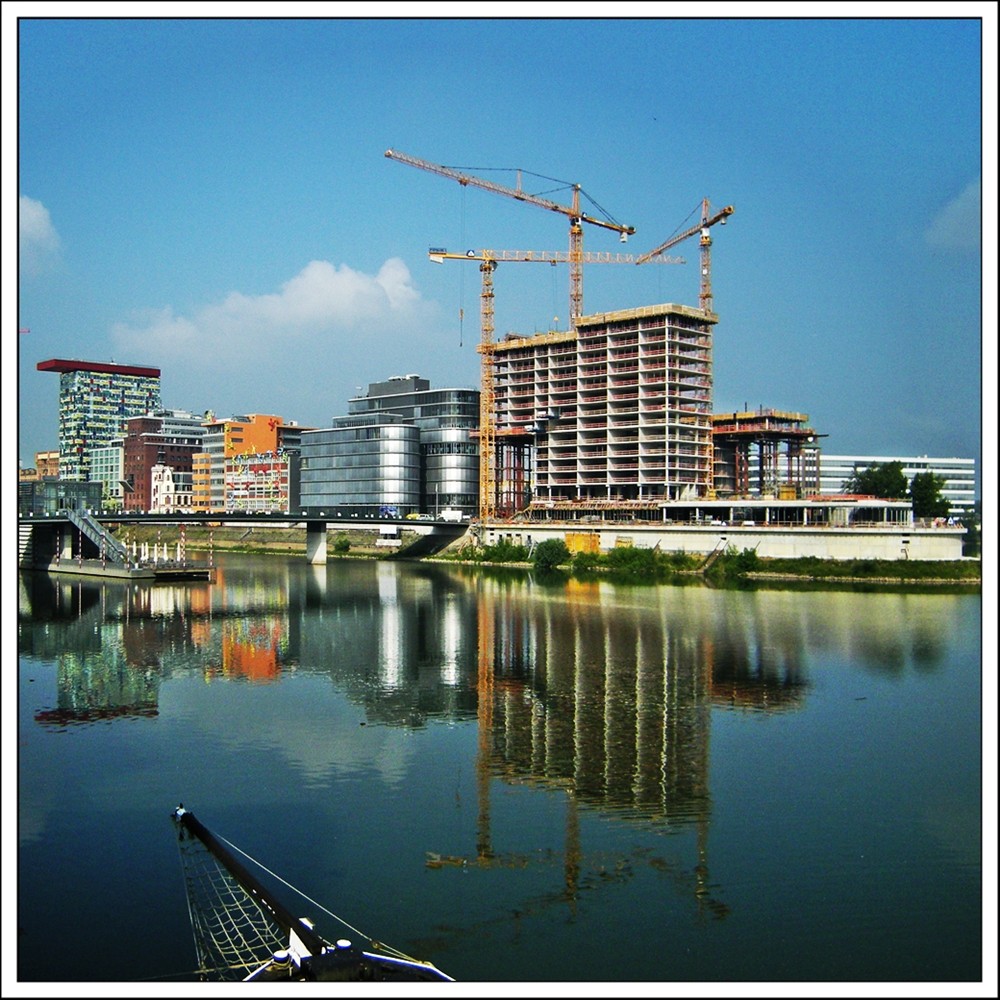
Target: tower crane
{"x": 488, "y": 261}
{"x": 707, "y": 221}
{"x": 576, "y": 217}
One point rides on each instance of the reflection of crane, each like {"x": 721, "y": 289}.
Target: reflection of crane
{"x": 488, "y": 263}
{"x": 705, "y": 295}
{"x": 575, "y": 256}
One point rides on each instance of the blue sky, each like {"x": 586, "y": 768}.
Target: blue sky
{"x": 211, "y": 197}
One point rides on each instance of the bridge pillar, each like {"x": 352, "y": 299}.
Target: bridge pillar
{"x": 65, "y": 545}
{"x": 316, "y": 543}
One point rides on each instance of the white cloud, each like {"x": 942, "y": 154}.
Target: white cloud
{"x": 292, "y": 352}
{"x": 957, "y": 226}
{"x": 311, "y": 309}
{"x": 37, "y": 239}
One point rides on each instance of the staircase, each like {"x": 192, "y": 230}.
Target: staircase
{"x": 25, "y": 546}
{"x": 114, "y": 550}
{"x": 712, "y": 556}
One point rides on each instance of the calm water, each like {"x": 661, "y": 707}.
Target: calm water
{"x": 516, "y": 780}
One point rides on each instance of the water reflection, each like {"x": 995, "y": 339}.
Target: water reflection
{"x": 592, "y": 697}
{"x": 603, "y": 691}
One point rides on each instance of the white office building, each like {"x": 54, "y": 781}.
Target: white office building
{"x": 959, "y": 475}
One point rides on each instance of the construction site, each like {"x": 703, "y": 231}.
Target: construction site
{"x": 613, "y": 419}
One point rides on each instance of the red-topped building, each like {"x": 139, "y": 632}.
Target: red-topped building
{"x": 95, "y": 400}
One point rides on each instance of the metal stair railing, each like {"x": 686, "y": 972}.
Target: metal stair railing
{"x": 112, "y": 547}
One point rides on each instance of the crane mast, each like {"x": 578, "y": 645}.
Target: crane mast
{"x": 707, "y": 221}
{"x": 488, "y": 261}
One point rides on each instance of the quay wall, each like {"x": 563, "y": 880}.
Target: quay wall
{"x": 876, "y": 542}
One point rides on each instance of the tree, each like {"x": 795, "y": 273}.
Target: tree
{"x": 885, "y": 480}
{"x": 925, "y": 492}
{"x": 550, "y": 553}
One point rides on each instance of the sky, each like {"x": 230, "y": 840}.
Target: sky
{"x": 212, "y": 197}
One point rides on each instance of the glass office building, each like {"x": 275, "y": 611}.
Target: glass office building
{"x": 361, "y": 466}
{"x": 957, "y": 474}
{"x": 403, "y": 447}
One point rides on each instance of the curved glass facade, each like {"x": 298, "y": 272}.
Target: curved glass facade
{"x": 402, "y": 445}
{"x": 360, "y": 467}
{"x": 451, "y": 470}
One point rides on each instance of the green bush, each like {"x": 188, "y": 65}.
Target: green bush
{"x": 733, "y": 564}
{"x": 549, "y": 554}
{"x": 341, "y": 545}
{"x": 505, "y": 552}
{"x": 634, "y": 561}
{"x": 586, "y": 562}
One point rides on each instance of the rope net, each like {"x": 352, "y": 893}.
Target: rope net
{"x": 233, "y": 933}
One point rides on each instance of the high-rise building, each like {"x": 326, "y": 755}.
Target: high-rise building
{"x": 619, "y": 409}
{"x": 95, "y": 400}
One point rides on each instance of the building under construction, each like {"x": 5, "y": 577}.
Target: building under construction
{"x": 767, "y": 453}
{"x": 618, "y": 410}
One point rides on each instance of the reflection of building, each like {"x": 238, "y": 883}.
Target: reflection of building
{"x": 613, "y": 707}
{"x": 95, "y": 400}
{"x": 959, "y": 475}
{"x": 403, "y": 446}
{"x": 253, "y": 647}
{"x": 99, "y": 685}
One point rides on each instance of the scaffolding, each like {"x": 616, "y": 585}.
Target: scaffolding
{"x": 765, "y": 453}
{"x": 618, "y": 410}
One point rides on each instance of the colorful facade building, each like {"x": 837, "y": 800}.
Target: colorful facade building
{"x": 221, "y": 474}
{"x": 95, "y": 400}
{"x": 256, "y": 482}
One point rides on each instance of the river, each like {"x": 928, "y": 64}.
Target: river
{"x": 520, "y": 780}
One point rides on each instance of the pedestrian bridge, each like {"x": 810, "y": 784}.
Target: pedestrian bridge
{"x": 45, "y": 539}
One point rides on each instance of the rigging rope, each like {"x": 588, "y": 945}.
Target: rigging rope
{"x": 318, "y": 905}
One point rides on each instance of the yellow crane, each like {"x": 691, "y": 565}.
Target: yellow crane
{"x": 488, "y": 261}
{"x": 707, "y": 221}
{"x": 576, "y": 217}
